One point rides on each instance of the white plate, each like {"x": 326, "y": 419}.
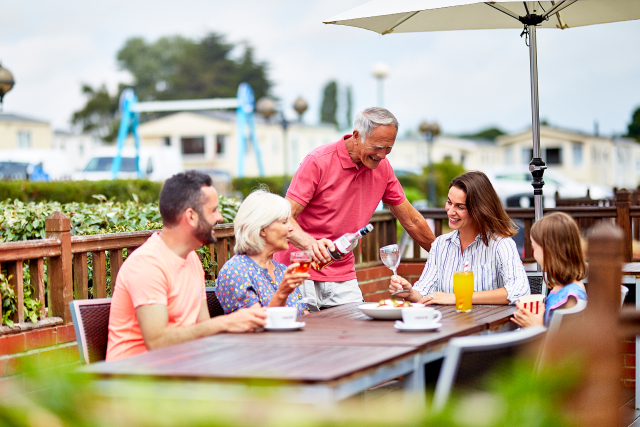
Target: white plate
{"x": 294, "y": 327}
{"x": 385, "y": 313}
{"x": 400, "y": 325}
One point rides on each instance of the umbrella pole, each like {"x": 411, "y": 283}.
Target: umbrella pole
{"x": 537, "y": 165}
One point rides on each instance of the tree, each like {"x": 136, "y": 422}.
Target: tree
{"x": 490, "y": 133}
{"x": 98, "y": 115}
{"x": 349, "y": 112}
{"x": 634, "y": 126}
{"x": 176, "y": 68}
{"x": 329, "y": 109}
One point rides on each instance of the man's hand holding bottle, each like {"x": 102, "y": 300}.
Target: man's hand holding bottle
{"x": 319, "y": 250}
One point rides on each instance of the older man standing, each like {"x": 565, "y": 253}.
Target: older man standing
{"x": 159, "y": 298}
{"x": 335, "y": 191}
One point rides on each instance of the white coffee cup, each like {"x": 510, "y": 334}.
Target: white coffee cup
{"x": 414, "y": 316}
{"x": 281, "y": 317}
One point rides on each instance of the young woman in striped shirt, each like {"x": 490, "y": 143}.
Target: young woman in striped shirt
{"x": 481, "y": 236}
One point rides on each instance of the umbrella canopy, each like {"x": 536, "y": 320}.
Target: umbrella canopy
{"x": 405, "y": 16}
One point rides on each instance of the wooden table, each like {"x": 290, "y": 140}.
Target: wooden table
{"x": 339, "y": 353}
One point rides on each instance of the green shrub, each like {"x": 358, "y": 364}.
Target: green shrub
{"x": 26, "y": 221}
{"x": 444, "y": 172}
{"x": 410, "y": 180}
{"x": 80, "y": 191}
{"x": 247, "y": 185}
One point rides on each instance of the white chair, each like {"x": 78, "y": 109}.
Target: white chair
{"x": 562, "y": 314}
{"x": 466, "y": 359}
{"x": 623, "y": 291}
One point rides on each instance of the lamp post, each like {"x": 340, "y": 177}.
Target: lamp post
{"x": 6, "y": 83}
{"x": 300, "y": 105}
{"x": 430, "y": 130}
{"x": 380, "y": 71}
{"x": 267, "y": 108}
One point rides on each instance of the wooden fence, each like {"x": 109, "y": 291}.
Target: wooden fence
{"x": 67, "y": 261}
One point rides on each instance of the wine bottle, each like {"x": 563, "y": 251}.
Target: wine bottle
{"x": 344, "y": 244}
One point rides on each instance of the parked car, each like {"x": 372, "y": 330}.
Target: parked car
{"x": 35, "y": 164}
{"x": 156, "y": 164}
{"x": 513, "y": 185}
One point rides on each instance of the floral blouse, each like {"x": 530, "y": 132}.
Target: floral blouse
{"x": 241, "y": 283}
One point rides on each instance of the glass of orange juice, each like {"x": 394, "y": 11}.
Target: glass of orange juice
{"x": 463, "y": 290}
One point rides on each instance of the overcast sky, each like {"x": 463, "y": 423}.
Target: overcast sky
{"x": 466, "y": 80}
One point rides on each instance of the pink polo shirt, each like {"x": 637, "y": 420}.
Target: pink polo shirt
{"x": 339, "y": 197}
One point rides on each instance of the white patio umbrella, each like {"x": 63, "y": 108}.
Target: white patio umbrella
{"x": 405, "y": 16}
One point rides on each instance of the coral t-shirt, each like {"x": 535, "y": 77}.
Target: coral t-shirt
{"x": 339, "y": 197}
{"x": 153, "y": 274}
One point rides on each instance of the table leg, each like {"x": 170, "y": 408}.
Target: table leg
{"x": 414, "y": 385}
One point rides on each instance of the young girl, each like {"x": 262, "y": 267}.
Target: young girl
{"x": 557, "y": 248}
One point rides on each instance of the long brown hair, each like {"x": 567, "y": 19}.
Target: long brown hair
{"x": 559, "y": 237}
{"x": 484, "y": 206}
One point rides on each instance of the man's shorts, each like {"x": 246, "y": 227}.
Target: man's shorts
{"x": 329, "y": 294}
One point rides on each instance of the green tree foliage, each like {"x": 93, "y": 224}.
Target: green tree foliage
{"x": 349, "y": 111}
{"x": 174, "y": 68}
{"x": 490, "y": 134}
{"x": 97, "y": 117}
{"x": 329, "y": 109}
{"x": 634, "y": 126}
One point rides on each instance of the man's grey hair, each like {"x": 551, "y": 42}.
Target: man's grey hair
{"x": 369, "y": 119}
{"x": 257, "y": 212}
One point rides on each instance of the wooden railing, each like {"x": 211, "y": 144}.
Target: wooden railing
{"x": 67, "y": 272}
{"x": 622, "y": 214}
{"x": 67, "y": 256}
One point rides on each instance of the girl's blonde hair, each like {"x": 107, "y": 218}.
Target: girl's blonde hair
{"x": 559, "y": 237}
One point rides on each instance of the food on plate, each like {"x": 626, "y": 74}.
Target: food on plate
{"x": 392, "y": 303}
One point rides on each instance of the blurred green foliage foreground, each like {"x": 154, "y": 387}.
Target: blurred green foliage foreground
{"x": 512, "y": 397}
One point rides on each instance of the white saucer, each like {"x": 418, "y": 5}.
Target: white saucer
{"x": 294, "y": 327}
{"x": 400, "y": 325}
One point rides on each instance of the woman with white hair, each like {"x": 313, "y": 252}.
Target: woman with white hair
{"x": 251, "y": 276}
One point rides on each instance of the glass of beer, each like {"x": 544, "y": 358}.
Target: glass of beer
{"x": 303, "y": 258}
{"x": 463, "y": 290}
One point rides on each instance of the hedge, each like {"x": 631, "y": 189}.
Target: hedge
{"x": 247, "y": 185}
{"x": 120, "y": 190}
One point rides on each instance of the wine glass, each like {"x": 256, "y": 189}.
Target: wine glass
{"x": 390, "y": 256}
{"x": 304, "y": 259}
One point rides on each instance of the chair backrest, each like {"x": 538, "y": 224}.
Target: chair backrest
{"x": 623, "y": 294}
{"x": 91, "y": 323}
{"x": 536, "y": 283}
{"x": 563, "y": 314}
{"x": 215, "y": 309}
{"x": 466, "y": 359}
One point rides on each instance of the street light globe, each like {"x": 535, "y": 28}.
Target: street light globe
{"x": 6, "y": 82}
{"x": 300, "y": 105}
{"x": 380, "y": 70}
{"x": 429, "y": 128}
{"x": 266, "y": 107}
